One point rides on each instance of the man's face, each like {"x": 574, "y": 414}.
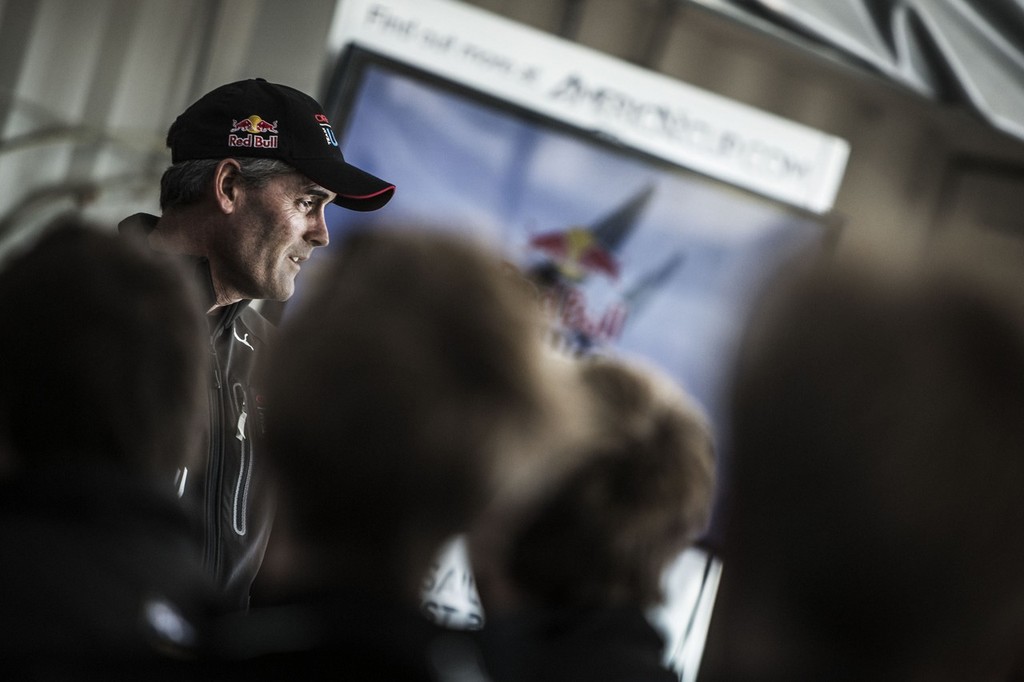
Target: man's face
{"x": 273, "y": 231}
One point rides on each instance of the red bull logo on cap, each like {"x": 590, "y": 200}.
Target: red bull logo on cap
{"x": 257, "y": 133}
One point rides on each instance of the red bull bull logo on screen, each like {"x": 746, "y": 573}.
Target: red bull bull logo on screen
{"x": 577, "y": 252}
{"x": 253, "y": 131}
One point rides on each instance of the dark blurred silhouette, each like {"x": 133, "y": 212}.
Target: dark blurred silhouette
{"x": 566, "y": 583}
{"x": 411, "y": 387}
{"x": 876, "y": 530}
{"x": 100, "y": 402}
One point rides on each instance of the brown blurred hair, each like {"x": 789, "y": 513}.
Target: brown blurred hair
{"x": 639, "y": 496}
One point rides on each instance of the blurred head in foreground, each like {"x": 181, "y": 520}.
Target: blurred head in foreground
{"x": 412, "y": 387}
{"x": 101, "y": 401}
{"x": 638, "y": 494}
{"x": 567, "y": 576}
{"x": 101, "y": 350}
{"x": 877, "y": 525}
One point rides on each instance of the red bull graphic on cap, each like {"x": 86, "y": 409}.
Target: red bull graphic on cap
{"x": 257, "y": 132}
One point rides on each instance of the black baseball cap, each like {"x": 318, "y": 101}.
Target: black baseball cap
{"x": 254, "y": 118}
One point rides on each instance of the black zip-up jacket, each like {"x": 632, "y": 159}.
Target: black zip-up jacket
{"x": 236, "y": 508}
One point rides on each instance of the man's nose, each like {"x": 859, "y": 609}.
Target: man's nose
{"x": 318, "y": 234}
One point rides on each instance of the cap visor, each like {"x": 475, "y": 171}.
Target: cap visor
{"x": 356, "y": 189}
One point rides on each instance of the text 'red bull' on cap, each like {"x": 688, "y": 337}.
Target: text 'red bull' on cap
{"x": 254, "y": 118}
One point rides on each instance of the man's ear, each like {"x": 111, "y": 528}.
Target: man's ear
{"x": 226, "y": 184}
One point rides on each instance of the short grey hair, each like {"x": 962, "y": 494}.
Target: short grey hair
{"x": 187, "y": 182}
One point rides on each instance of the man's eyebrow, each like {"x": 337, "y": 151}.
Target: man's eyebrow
{"x": 317, "y": 191}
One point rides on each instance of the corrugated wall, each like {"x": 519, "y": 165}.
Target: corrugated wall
{"x": 88, "y": 89}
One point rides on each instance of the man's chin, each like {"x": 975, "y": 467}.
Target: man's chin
{"x": 283, "y": 296}
{"x": 281, "y": 290}
{"x": 278, "y": 293}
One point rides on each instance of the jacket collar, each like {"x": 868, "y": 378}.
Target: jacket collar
{"x": 140, "y": 225}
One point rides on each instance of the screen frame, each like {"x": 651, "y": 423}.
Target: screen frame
{"x": 345, "y": 80}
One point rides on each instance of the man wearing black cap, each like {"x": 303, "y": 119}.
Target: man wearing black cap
{"x": 254, "y": 165}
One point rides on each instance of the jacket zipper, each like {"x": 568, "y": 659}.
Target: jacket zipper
{"x": 214, "y": 469}
{"x": 241, "y": 501}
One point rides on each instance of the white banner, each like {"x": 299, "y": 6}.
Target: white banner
{"x": 639, "y": 108}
